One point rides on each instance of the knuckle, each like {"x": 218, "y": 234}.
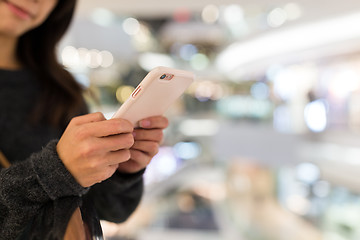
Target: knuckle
{"x": 126, "y": 141}
{"x": 80, "y": 133}
{"x": 75, "y": 120}
{"x": 87, "y": 151}
{"x": 130, "y": 139}
{"x": 127, "y": 154}
{"x": 99, "y": 115}
{"x": 93, "y": 165}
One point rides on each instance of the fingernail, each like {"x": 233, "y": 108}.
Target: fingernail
{"x": 145, "y": 123}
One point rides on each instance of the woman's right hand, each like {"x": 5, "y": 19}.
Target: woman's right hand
{"x": 92, "y": 147}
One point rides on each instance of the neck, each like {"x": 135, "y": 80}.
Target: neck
{"x": 8, "y": 59}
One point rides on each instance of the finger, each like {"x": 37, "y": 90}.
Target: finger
{"x": 116, "y": 157}
{"x": 150, "y": 148}
{"x": 130, "y": 166}
{"x": 114, "y": 142}
{"x": 148, "y": 134}
{"x": 154, "y": 122}
{"x": 109, "y": 127}
{"x": 88, "y": 118}
{"x": 139, "y": 157}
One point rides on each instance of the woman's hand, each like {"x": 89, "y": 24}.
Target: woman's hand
{"x": 147, "y": 140}
{"x": 92, "y": 147}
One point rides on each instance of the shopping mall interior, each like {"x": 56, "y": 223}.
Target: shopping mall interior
{"x": 265, "y": 143}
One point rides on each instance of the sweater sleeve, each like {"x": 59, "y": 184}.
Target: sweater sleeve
{"x": 27, "y": 186}
{"x": 116, "y": 198}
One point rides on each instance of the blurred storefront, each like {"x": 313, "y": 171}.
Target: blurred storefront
{"x": 265, "y": 144}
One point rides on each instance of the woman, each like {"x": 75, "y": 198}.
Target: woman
{"x": 61, "y": 157}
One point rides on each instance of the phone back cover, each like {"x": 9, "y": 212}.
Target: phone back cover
{"x": 156, "y": 95}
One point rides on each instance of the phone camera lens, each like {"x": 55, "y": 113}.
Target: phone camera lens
{"x": 163, "y": 76}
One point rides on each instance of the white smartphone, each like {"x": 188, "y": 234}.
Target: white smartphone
{"x": 154, "y": 95}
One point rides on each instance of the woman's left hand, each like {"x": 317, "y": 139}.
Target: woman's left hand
{"x": 147, "y": 138}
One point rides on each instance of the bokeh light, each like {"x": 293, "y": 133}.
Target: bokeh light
{"x": 131, "y": 26}
{"x": 199, "y": 61}
{"x": 123, "y": 93}
{"x": 210, "y": 14}
{"x": 187, "y": 150}
{"x": 107, "y": 59}
{"x": 277, "y": 17}
{"x": 315, "y": 114}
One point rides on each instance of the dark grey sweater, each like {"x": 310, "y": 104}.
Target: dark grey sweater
{"x": 37, "y": 193}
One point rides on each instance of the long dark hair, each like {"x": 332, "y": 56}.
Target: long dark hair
{"x": 61, "y": 96}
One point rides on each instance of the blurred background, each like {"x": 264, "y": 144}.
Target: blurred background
{"x": 265, "y": 143}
